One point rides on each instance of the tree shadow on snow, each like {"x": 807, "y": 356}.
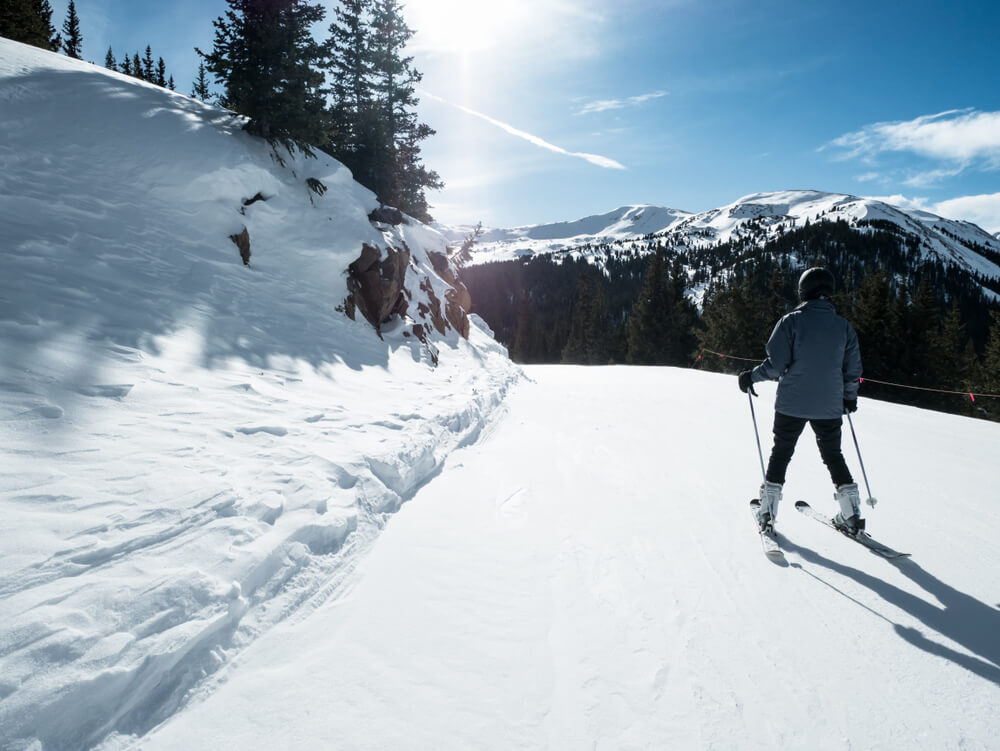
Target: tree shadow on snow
{"x": 961, "y": 618}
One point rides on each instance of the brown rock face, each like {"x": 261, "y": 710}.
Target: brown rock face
{"x": 375, "y": 285}
{"x": 242, "y": 241}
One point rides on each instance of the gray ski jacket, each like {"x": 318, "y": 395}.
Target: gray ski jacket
{"x": 813, "y": 353}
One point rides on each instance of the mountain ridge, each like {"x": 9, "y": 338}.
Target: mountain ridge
{"x": 762, "y": 216}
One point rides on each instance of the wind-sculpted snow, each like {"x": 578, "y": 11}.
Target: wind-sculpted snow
{"x": 193, "y": 450}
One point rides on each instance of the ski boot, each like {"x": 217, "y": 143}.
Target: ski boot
{"x": 770, "y": 494}
{"x": 849, "y": 519}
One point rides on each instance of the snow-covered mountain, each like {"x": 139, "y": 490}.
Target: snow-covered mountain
{"x": 192, "y": 447}
{"x": 758, "y": 217}
{"x": 624, "y": 223}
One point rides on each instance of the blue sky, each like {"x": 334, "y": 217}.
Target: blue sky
{"x": 550, "y": 110}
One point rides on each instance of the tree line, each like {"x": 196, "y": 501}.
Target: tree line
{"x": 352, "y": 94}
{"x": 30, "y": 22}
{"x": 920, "y": 323}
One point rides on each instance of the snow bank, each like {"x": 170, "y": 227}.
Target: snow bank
{"x": 193, "y": 449}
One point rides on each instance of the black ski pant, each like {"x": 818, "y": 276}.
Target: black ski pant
{"x": 786, "y": 434}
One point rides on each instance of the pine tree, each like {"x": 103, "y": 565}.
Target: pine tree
{"x": 137, "y": 67}
{"x": 109, "y": 60}
{"x": 148, "y": 73}
{"x": 200, "y": 88}
{"x": 20, "y": 21}
{"x": 126, "y": 65}
{"x": 399, "y": 176}
{"x": 161, "y": 72}
{"x": 587, "y": 342}
{"x": 264, "y": 56}
{"x": 991, "y": 359}
{"x": 170, "y": 84}
{"x": 44, "y": 11}
{"x": 348, "y": 49}
{"x": 72, "y": 40}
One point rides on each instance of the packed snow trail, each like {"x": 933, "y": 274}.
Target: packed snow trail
{"x": 586, "y": 576}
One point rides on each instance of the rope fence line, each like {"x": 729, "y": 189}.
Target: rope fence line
{"x": 970, "y": 394}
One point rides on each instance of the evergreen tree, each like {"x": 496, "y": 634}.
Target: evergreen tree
{"x": 991, "y": 360}
{"x": 148, "y": 73}
{"x": 200, "y": 88}
{"x": 587, "y": 343}
{"x": 264, "y": 56}
{"x": 170, "y": 84}
{"x": 650, "y": 324}
{"x": 109, "y": 60}
{"x": 72, "y": 39}
{"x": 137, "y": 67}
{"x": 878, "y": 330}
{"x": 44, "y": 11}
{"x": 126, "y": 65}
{"x": 399, "y": 176}
{"x": 20, "y": 21}
{"x": 350, "y": 70}
{"x": 161, "y": 73}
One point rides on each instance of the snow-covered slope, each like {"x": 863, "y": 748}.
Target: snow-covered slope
{"x": 191, "y": 449}
{"x": 592, "y": 579}
{"x": 625, "y": 223}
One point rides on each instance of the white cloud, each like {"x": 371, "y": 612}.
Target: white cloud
{"x": 983, "y": 210}
{"x": 868, "y": 177}
{"x": 602, "y": 105}
{"x": 961, "y": 137}
{"x": 596, "y": 159}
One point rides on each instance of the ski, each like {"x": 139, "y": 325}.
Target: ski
{"x": 862, "y": 538}
{"x": 768, "y": 540}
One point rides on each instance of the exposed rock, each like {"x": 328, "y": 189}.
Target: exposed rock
{"x": 375, "y": 285}
{"x": 242, "y": 241}
{"x": 434, "y": 311}
{"x": 446, "y": 270}
{"x": 387, "y": 215}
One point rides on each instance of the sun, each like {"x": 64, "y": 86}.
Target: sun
{"x": 467, "y": 26}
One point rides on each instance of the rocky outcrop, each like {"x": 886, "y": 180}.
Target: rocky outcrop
{"x": 375, "y": 285}
{"x": 387, "y": 215}
{"x": 458, "y": 301}
{"x": 242, "y": 241}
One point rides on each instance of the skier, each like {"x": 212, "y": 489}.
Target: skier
{"x": 813, "y": 354}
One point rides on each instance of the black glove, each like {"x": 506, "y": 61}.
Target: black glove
{"x": 850, "y": 405}
{"x": 746, "y": 382}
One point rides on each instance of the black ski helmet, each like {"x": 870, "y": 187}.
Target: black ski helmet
{"x": 815, "y": 282}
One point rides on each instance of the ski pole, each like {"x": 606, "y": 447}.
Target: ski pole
{"x": 871, "y": 501}
{"x": 760, "y": 453}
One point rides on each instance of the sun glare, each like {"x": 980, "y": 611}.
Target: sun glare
{"x": 467, "y": 26}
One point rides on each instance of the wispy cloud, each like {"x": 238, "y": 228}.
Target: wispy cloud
{"x": 960, "y": 137}
{"x": 597, "y": 159}
{"x": 603, "y": 105}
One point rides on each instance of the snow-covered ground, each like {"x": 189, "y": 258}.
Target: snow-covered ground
{"x": 588, "y": 576}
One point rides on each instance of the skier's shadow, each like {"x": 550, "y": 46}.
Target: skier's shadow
{"x": 961, "y": 618}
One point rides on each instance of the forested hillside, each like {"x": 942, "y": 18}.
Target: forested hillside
{"x": 922, "y": 323}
